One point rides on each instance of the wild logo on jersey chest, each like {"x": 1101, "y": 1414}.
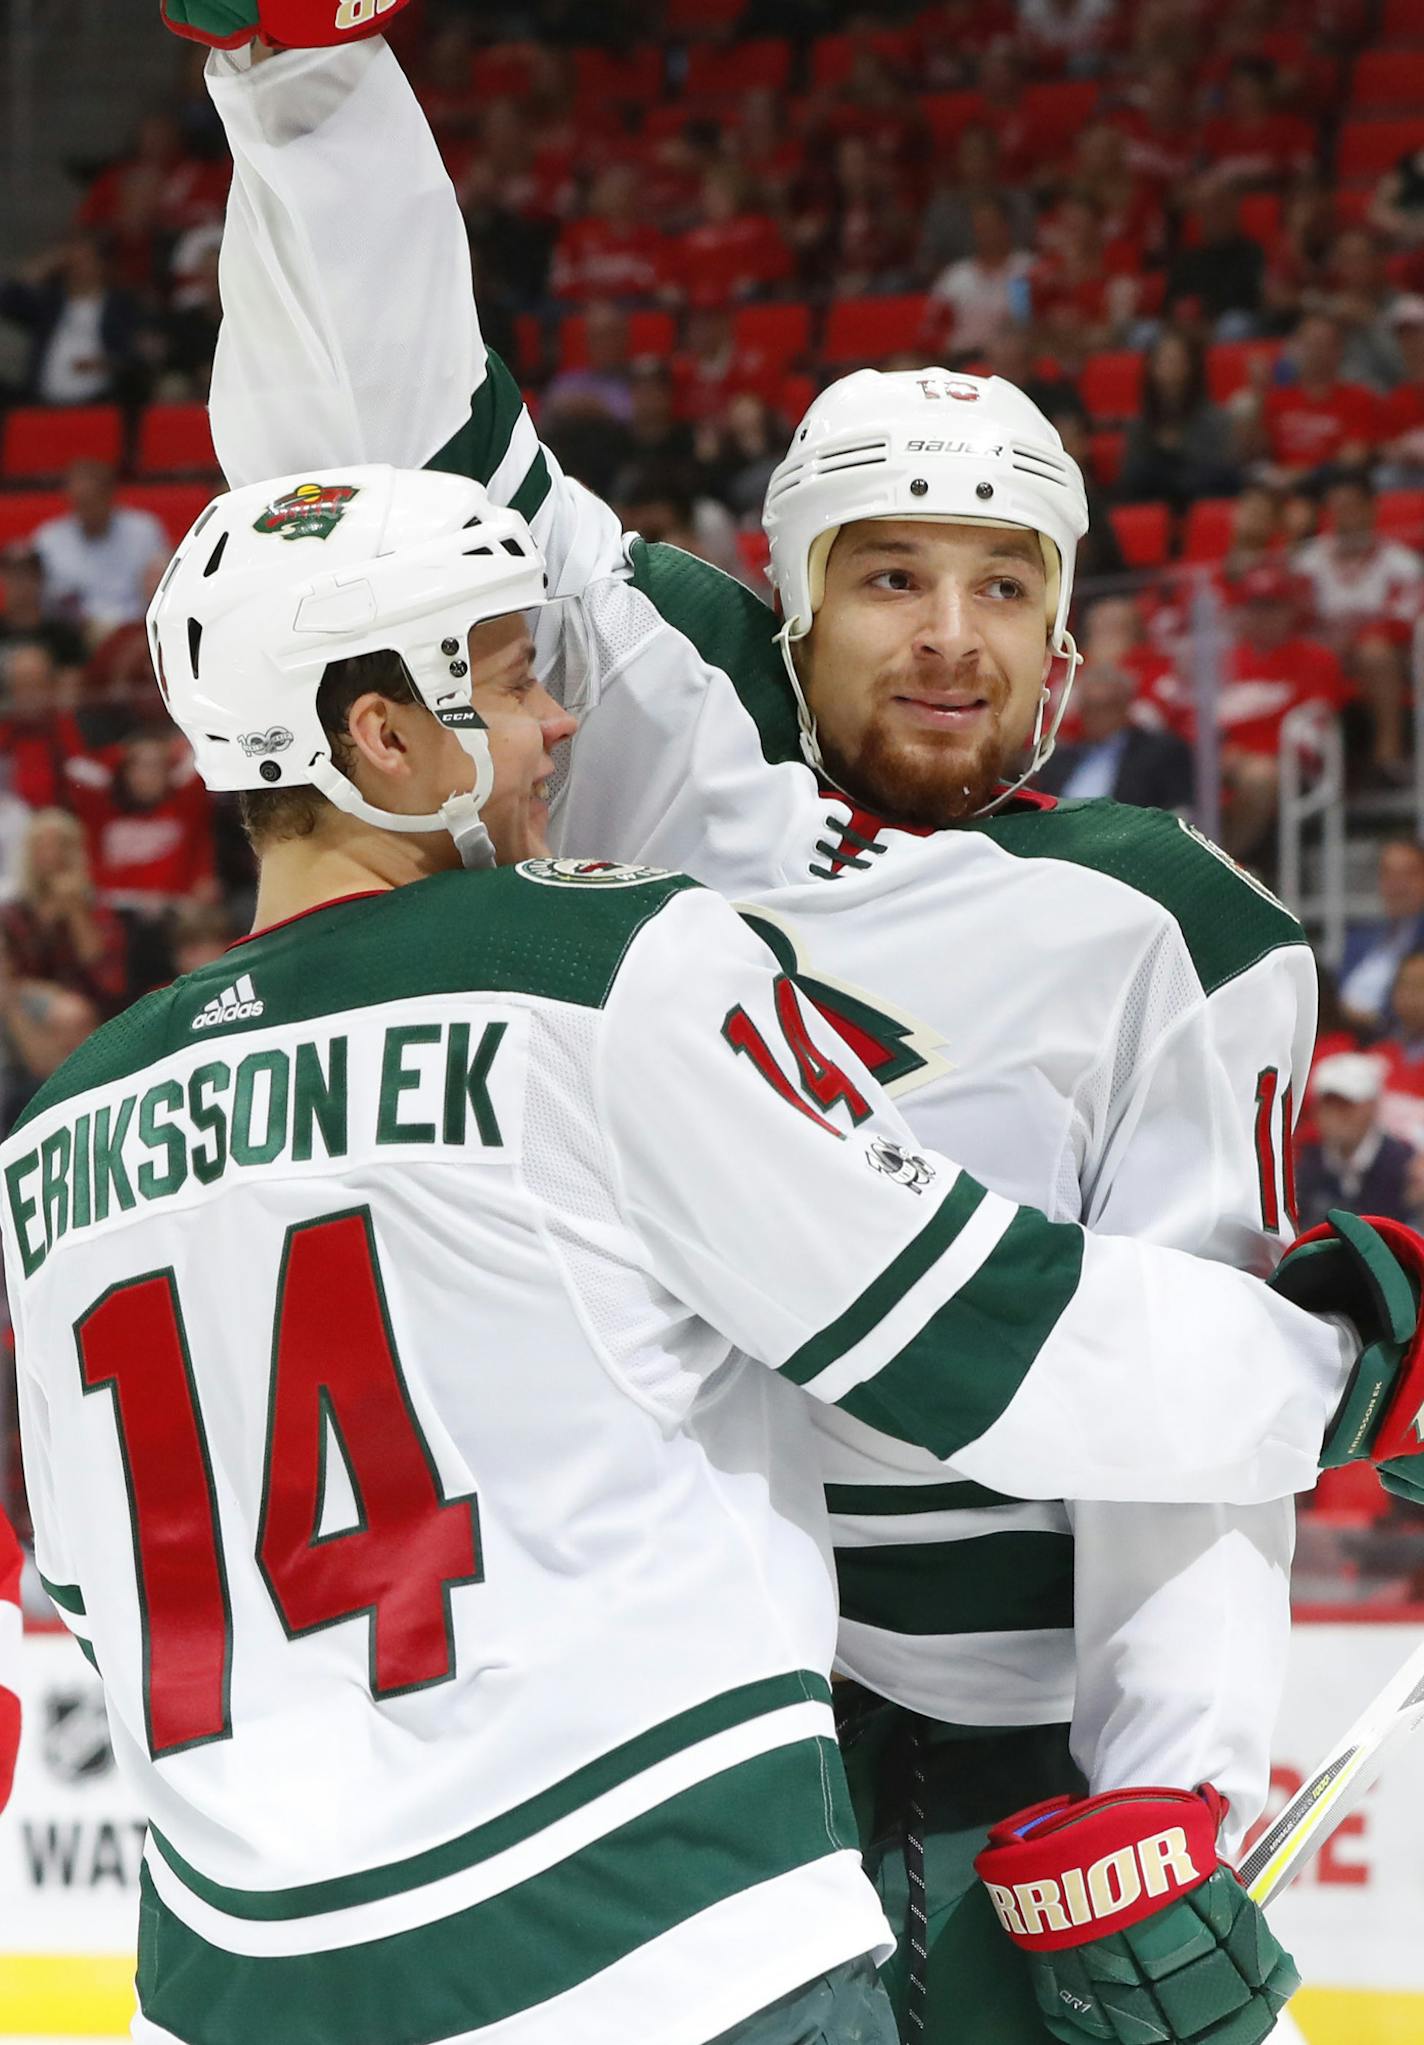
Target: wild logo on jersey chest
{"x": 901, "y": 1051}
{"x": 312, "y": 511}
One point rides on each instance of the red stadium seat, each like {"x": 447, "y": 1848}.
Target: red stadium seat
{"x": 1352, "y": 1492}
{"x": 866, "y": 330}
{"x": 1385, "y": 80}
{"x": 833, "y": 56}
{"x": 42, "y": 440}
{"x": 1401, "y": 515}
{"x": 1143, "y": 532}
{"x": 1367, "y": 149}
{"x": 175, "y": 504}
{"x": 798, "y": 393}
{"x": 504, "y": 70}
{"x": 175, "y": 440}
{"x": 781, "y": 332}
{"x": 1229, "y": 365}
{"x": 22, "y": 510}
{"x": 649, "y": 333}
{"x": 755, "y": 551}
{"x": 1401, "y": 22}
{"x": 528, "y": 345}
{"x": 1208, "y": 531}
{"x": 725, "y": 73}
{"x": 685, "y": 20}
{"x": 1106, "y": 451}
{"x": 1056, "y": 111}
{"x": 1111, "y": 385}
{"x": 948, "y": 114}
{"x": 1260, "y": 216}
{"x": 623, "y": 78}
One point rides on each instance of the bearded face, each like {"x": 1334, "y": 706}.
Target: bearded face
{"x": 926, "y": 663}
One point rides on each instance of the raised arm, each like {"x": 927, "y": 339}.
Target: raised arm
{"x": 349, "y": 325}
{"x": 779, "y": 1194}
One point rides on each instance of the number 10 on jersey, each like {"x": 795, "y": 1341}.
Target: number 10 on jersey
{"x": 335, "y": 1376}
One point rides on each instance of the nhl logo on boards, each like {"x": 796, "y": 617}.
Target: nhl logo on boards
{"x": 238, "y": 1003}
{"x": 905, "y": 1167}
{"x": 312, "y": 511}
{"x": 587, "y": 873}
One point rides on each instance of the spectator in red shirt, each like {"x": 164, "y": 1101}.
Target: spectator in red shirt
{"x": 733, "y": 252}
{"x": 151, "y": 841}
{"x": 1318, "y": 423}
{"x": 1160, "y": 126}
{"x": 1270, "y": 671}
{"x": 1401, "y": 414}
{"x": 178, "y": 189}
{"x": 1251, "y": 142}
{"x": 710, "y": 368}
{"x": 56, "y": 930}
{"x": 39, "y": 735}
{"x": 612, "y": 252}
{"x": 1367, "y": 593}
{"x": 1084, "y": 301}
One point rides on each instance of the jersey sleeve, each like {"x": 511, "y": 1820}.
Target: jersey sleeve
{"x": 779, "y": 1195}
{"x": 11, "y": 1561}
{"x": 349, "y": 326}
{"x": 1182, "y": 1613}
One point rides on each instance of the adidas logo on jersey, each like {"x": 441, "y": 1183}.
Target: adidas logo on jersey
{"x": 235, "y": 1004}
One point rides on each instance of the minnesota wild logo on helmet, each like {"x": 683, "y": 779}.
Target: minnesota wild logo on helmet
{"x": 310, "y": 512}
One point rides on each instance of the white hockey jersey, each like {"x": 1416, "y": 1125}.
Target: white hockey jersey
{"x": 470, "y": 1690}
{"x": 1086, "y": 1004}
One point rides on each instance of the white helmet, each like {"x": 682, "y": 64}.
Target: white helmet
{"x": 277, "y": 579}
{"x": 928, "y": 444}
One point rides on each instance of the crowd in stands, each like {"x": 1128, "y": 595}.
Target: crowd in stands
{"x": 1195, "y": 236}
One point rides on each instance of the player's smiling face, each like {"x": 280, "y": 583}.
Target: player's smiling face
{"x": 525, "y": 724}
{"x": 925, "y": 663}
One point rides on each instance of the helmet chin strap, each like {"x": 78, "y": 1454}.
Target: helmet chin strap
{"x": 1041, "y": 746}
{"x": 459, "y": 814}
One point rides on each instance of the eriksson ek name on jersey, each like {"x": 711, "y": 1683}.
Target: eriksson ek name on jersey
{"x": 340, "y": 1097}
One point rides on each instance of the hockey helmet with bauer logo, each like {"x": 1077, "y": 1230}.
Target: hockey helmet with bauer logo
{"x": 925, "y": 444}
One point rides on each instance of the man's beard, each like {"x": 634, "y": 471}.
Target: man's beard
{"x": 920, "y": 783}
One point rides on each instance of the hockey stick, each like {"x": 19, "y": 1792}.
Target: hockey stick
{"x": 1336, "y": 1786}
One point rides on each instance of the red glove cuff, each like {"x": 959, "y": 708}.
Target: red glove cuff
{"x": 9, "y": 1741}
{"x": 1074, "y": 1869}
{"x": 298, "y": 24}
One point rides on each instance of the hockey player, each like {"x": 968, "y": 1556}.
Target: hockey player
{"x": 365, "y": 1282}
{"x": 10, "y": 1564}
{"x": 1090, "y": 1004}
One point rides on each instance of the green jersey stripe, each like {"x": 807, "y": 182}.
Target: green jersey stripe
{"x": 867, "y": 1311}
{"x": 67, "y": 1596}
{"x": 891, "y": 1501}
{"x": 767, "y": 1816}
{"x": 992, "y": 1583}
{"x": 483, "y": 441}
{"x": 595, "y": 1779}
{"x": 533, "y": 490}
{"x": 953, "y": 1381}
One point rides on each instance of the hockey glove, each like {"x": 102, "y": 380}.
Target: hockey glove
{"x": 294, "y": 24}
{"x": 1370, "y": 1270}
{"x": 1136, "y": 1932}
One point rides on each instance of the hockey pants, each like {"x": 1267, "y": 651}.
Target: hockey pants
{"x": 975, "y": 1983}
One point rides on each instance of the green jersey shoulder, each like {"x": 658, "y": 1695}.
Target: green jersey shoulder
{"x": 1229, "y": 920}
{"x": 557, "y": 929}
